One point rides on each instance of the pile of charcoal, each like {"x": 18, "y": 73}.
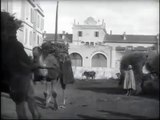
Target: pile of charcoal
{"x": 59, "y": 50}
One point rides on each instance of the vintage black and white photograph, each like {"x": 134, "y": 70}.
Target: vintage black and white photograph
{"x": 80, "y": 59}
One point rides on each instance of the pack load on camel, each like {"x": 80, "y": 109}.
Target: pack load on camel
{"x": 60, "y": 52}
{"x": 54, "y": 64}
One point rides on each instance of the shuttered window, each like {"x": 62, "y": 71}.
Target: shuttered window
{"x": 32, "y": 15}
{"x": 26, "y": 36}
{"x": 96, "y": 34}
{"x": 31, "y": 39}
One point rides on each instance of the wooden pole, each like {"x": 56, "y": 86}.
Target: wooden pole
{"x": 56, "y": 22}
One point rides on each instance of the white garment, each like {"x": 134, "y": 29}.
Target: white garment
{"x": 144, "y": 70}
{"x": 129, "y": 80}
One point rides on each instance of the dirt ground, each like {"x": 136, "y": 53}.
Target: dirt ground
{"x": 90, "y": 99}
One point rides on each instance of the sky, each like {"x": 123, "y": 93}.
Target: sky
{"x": 130, "y": 16}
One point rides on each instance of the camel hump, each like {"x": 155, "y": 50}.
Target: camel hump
{"x": 51, "y": 60}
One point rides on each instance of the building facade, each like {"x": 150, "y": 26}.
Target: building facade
{"x": 92, "y": 48}
{"x": 29, "y": 11}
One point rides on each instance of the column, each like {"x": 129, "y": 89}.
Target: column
{"x": 113, "y": 59}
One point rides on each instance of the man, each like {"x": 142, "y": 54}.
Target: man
{"x": 129, "y": 81}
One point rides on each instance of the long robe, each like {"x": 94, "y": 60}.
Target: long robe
{"x": 67, "y": 72}
{"x": 129, "y": 80}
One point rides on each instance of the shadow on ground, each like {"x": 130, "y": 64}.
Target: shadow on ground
{"x": 118, "y": 91}
{"x": 88, "y": 117}
{"x": 41, "y": 103}
{"x": 150, "y": 95}
{"x": 4, "y": 117}
{"x": 104, "y": 90}
{"x": 125, "y": 115}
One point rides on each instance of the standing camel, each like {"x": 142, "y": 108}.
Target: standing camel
{"x": 51, "y": 70}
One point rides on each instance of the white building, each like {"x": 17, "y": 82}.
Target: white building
{"x": 91, "y": 32}
{"x": 29, "y": 11}
{"x": 92, "y": 48}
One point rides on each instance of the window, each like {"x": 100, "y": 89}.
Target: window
{"x": 87, "y": 43}
{"x": 42, "y": 23}
{"x": 34, "y": 38}
{"x": 4, "y": 5}
{"x": 26, "y": 36}
{"x": 38, "y": 21}
{"x": 92, "y": 43}
{"x": 31, "y": 38}
{"x": 39, "y": 24}
{"x": 80, "y": 33}
{"x": 37, "y": 40}
{"x": 96, "y": 34}
{"x": 32, "y": 15}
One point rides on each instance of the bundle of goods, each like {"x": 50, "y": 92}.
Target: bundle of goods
{"x": 59, "y": 50}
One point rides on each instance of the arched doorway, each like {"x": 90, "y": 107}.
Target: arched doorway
{"x": 99, "y": 60}
{"x": 76, "y": 59}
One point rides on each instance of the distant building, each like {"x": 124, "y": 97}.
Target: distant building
{"x": 92, "y": 48}
{"x": 29, "y": 11}
{"x": 63, "y": 37}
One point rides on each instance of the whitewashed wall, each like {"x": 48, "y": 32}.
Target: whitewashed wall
{"x": 87, "y": 52}
{"x": 88, "y": 34}
{"x": 101, "y": 73}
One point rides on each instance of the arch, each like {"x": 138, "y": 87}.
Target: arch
{"x": 76, "y": 59}
{"x": 99, "y": 60}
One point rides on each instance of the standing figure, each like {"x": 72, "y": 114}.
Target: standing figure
{"x": 129, "y": 81}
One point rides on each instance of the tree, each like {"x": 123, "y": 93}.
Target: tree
{"x": 153, "y": 64}
{"x": 137, "y": 60}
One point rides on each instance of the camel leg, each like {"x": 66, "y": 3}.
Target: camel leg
{"x": 18, "y": 96}
{"x": 54, "y": 94}
{"x": 32, "y": 104}
{"x": 24, "y": 94}
{"x": 33, "y": 108}
{"x": 45, "y": 91}
{"x": 47, "y": 94}
{"x": 20, "y": 109}
{"x": 64, "y": 98}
